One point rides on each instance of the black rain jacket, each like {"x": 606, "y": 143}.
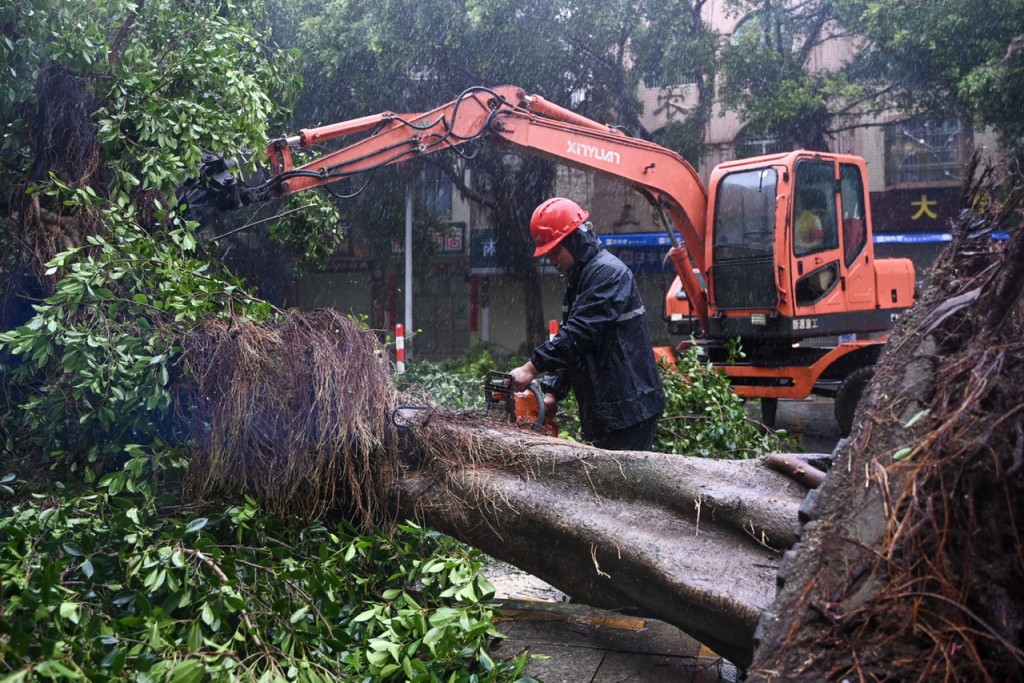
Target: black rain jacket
{"x": 603, "y": 349}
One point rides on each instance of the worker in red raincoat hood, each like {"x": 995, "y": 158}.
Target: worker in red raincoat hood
{"x": 603, "y": 348}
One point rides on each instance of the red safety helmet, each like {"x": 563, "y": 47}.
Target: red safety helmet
{"x": 553, "y": 220}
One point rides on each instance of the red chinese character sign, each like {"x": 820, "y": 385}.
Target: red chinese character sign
{"x": 449, "y": 241}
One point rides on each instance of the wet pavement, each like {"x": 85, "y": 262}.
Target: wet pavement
{"x": 582, "y": 644}
{"x": 810, "y": 421}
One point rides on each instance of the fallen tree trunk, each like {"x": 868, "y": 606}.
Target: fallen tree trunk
{"x": 303, "y": 415}
{"x": 689, "y": 541}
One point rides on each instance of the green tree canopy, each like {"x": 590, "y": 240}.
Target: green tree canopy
{"x": 768, "y": 77}
{"x": 943, "y": 59}
{"x": 940, "y": 59}
{"x": 107, "y": 571}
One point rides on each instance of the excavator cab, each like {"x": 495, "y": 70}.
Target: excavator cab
{"x": 792, "y": 274}
{"x": 790, "y": 255}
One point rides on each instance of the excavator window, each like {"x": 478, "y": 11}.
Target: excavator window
{"x": 745, "y": 215}
{"x": 743, "y": 274}
{"x": 851, "y": 193}
{"x": 817, "y": 284}
{"x": 814, "y": 210}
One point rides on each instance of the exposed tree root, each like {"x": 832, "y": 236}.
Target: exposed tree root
{"x": 296, "y": 414}
{"x": 913, "y": 569}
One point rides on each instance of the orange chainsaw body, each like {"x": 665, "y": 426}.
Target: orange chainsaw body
{"x": 525, "y": 409}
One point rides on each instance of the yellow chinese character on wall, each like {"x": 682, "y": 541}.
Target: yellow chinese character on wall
{"x": 924, "y": 208}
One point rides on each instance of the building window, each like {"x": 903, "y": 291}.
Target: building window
{"x": 436, "y": 192}
{"x": 919, "y": 151}
{"x": 658, "y": 77}
{"x": 752, "y": 144}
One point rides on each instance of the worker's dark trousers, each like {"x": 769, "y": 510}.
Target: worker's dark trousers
{"x": 638, "y": 437}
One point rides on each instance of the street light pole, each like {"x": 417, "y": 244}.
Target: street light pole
{"x": 408, "y": 265}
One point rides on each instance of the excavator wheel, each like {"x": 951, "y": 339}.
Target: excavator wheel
{"x": 848, "y": 397}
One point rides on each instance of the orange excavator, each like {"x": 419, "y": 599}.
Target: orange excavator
{"x": 776, "y": 252}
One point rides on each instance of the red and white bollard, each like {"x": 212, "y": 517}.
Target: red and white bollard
{"x": 400, "y": 348}
{"x": 552, "y": 329}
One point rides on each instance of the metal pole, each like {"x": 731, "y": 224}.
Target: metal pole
{"x": 408, "y": 263}
{"x": 485, "y": 309}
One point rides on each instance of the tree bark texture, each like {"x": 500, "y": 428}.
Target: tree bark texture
{"x": 689, "y": 541}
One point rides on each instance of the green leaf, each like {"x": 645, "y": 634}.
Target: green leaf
{"x": 903, "y": 453}
{"x": 188, "y": 671}
{"x": 443, "y": 615}
{"x": 917, "y": 418}
{"x": 87, "y": 569}
{"x": 70, "y": 611}
{"x": 378, "y": 658}
{"x": 114, "y": 660}
{"x": 365, "y": 615}
{"x": 431, "y": 637}
{"x": 298, "y": 615}
{"x": 156, "y": 640}
{"x": 388, "y": 670}
{"x": 196, "y": 524}
{"x": 55, "y": 669}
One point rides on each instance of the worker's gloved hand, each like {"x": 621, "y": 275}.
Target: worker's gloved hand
{"x": 550, "y": 405}
{"x": 523, "y": 375}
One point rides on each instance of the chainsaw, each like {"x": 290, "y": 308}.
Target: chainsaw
{"x": 523, "y": 409}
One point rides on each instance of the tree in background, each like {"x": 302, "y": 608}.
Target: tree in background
{"x": 675, "y": 49}
{"x": 938, "y": 59}
{"x": 943, "y": 60}
{"x": 767, "y": 76}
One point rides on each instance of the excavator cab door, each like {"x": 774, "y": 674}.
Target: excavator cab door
{"x": 817, "y": 270}
{"x": 858, "y": 253}
{"x": 833, "y": 274}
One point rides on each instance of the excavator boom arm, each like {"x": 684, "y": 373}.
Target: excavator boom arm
{"x": 527, "y": 123}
